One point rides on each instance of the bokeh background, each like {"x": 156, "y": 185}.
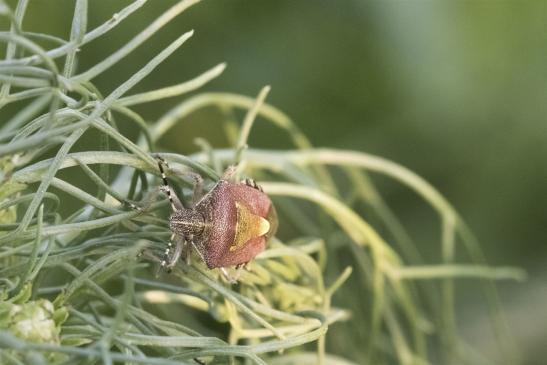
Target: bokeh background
{"x": 455, "y": 91}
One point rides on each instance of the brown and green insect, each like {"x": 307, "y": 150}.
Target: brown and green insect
{"x": 228, "y": 226}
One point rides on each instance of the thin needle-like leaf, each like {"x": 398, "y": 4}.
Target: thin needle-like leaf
{"x": 135, "y": 42}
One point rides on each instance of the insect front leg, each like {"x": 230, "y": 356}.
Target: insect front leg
{"x": 145, "y": 204}
{"x": 187, "y": 250}
{"x": 172, "y": 253}
{"x": 198, "y": 187}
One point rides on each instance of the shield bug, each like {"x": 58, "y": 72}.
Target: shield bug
{"x": 227, "y": 226}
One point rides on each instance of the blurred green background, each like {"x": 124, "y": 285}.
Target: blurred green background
{"x": 455, "y": 91}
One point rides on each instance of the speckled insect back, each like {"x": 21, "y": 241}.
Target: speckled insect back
{"x": 228, "y": 226}
{"x": 239, "y": 220}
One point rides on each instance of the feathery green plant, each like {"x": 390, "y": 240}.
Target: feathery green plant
{"x": 74, "y": 290}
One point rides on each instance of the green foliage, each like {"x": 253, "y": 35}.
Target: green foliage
{"x": 33, "y": 321}
{"x": 83, "y": 273}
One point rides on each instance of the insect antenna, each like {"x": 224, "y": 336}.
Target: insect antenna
{"x": 166, "y": 188}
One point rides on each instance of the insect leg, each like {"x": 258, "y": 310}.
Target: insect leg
{"x": 163, "y": 262}
{"x": 227, "y": 276}
{"x": 133, "y": 206}
{"x": 244, "y": 266}
{"x": 252, "y": 184}
{"x": 197, "y": 249}
{"x": 239, "y": 270}
{"x": 229, "y": 173}
{"x": 176, "y": 253}
{"x": 198, "y": 188}
{"x": 171, "y": 255}
{"x": 149, "y": 198}
{"x": 166, "y": 188}
{"x": 188, "y": 249}
{"x": 198, "y": 185}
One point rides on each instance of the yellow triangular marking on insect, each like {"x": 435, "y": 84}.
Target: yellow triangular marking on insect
{"x": 264, "y": 227}
{"x": 248, "y": 226}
